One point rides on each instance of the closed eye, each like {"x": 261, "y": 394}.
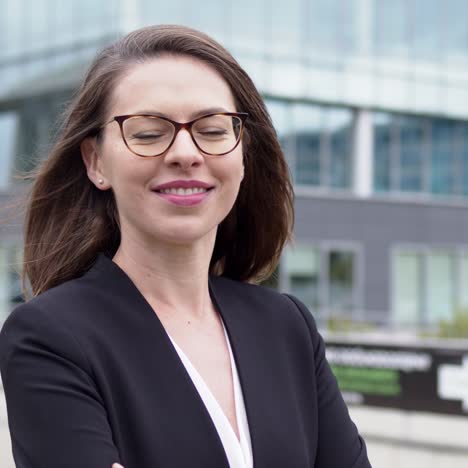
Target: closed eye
{"x": 146, "y": 137}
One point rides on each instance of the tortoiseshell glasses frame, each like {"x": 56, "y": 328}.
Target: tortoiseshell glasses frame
{"x": 121, "y": 119}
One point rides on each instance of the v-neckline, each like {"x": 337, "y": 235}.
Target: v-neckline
{"x": 251, "y": 386}
{"x": 238, "y": 450}
{"x": 181, "y": 352}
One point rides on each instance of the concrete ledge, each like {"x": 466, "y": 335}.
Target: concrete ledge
{"x": 410, "y": 429}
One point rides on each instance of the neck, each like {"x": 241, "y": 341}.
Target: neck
{"x": 172, "y": 277}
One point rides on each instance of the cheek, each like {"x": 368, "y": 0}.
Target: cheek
{"x": 235, "y": 166}
{"x": 234, "y": 174}
{"x": 124, "y": 169}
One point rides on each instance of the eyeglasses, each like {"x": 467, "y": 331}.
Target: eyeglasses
{"x": 151, "y": 135}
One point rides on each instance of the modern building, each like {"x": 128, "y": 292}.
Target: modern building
{"x": 369, "y": 98}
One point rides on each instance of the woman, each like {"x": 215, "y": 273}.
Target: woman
{"x": 164, "y": 197}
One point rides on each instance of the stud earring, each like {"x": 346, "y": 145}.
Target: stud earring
{"x": 101, "y": 181}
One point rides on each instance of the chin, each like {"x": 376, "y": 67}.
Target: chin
{"x": 186, "y": 235}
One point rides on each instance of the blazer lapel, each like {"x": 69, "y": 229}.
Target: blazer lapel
{"x": 250, "y": 344}
{"x": 253, "y": 348}
{"x": 179, "y": 404}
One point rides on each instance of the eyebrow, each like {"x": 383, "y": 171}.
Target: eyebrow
{"x": 193, "y": 115}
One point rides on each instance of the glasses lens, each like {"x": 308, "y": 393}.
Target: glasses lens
{"x": 148, "y": 136}
{"x": 217, "y": 134}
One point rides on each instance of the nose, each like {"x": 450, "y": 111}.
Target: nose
{"x": 183, "y": 151}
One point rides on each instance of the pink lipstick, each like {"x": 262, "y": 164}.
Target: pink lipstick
{"x": 184, "y": 192}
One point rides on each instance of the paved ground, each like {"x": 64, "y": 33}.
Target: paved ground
{"x": 402, "y": 439}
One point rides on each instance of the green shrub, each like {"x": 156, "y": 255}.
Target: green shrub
{"x": 457, "y": 327}
{"x": 346, "y": 325}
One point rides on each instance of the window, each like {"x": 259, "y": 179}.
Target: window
{"x": 325, "y": 278}
{"x": 303, "y": 266}
{"x": 407, "y": 288}
{"x": 412, "y": 138}
{"x": 281, "y": 117}
{"x": 426, "y": 28}
{"x": 333, "y": 27}
{"x": 37, "y": 118}
{"x": 249, "y": 26}
{"x": 93, "y": 19}
{"x": 341, "y": 278}
{"x": 464, "y": 159}
{"x": 440, "y": 286}
{"x": 382, "y": 147}
{"x": 317, "y": 141}
{"x": 12, "y": 39}
{"x": 309, "y": 148}
{"x": 426, "y": 282}
{"x": 323, "y": 146}
{"x": 10, "y": 282}
{"x": 8, "y": 135}
{"x": 286, "y": 23}
{"x": 210, "y": 16}
{"x": 444, "y": 137}
{"x": 463, "y": 282}
{"x": 391, "y": 27}
{"x": 416, "y": 154}
{"x": 36, "y": 24}
{"x": 455, "y": 31}
{"x": 339, "y": 127}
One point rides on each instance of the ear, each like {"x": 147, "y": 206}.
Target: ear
{"x": 93, "y": 163}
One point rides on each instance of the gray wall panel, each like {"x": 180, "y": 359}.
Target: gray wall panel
{"x": 378, "y": 226}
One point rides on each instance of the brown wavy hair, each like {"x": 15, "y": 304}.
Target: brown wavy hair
{"x": 69, "y": 221}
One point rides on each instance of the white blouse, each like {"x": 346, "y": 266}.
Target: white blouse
{"x": 238, "y": 454}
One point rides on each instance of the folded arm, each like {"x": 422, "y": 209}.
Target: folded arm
{"x": 55, "y": 413}
{"x": 339, "y": 443}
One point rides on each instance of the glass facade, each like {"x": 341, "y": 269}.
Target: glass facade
{"x": 440, "y": 286}
{"x": 341, "y": 280}
{"x": 462, "y": 282}
{"x": 303, "y": 270}
{"x": 407, "y": 286}
{"x": 32, "y": 26}
{"x": 35, "y": 119}
{"x": 318, "y": 142}
{"x": 40, "y": 39}
{"x": 425, "y": 285}
{"x": 428, "y": 30}
{"x": 325, "y": 278}
{"x": 420, "y": 155}
{"x": 391, "y": 28}
{"x": 8, "y": 137}
{"x": 321, "y": 64}
{"x": 10, "y": 281}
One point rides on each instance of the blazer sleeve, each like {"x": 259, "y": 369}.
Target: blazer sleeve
{"x": 56, "y": 416}
{"x": 339, "y": 443}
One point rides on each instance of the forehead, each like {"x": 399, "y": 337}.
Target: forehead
{"x": 177, "y": 86}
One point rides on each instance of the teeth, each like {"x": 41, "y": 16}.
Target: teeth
{"x": 183, "y": 191}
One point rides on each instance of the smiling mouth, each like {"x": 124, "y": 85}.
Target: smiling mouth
{"x": 184, "y": 191}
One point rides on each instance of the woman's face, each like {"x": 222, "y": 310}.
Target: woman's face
{"x": 181, "y": 89}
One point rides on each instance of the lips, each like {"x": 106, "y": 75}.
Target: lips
{"x": 184, "y": 193}
{"x": 182, "y": 184}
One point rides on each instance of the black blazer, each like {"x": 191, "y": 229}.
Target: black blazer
{"x": 91, "y": 378}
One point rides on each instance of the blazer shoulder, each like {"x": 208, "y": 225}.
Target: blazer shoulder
{"x": 249, "y": 292}
{"x": 274, "y": 305}
{"x": 30, "y": 330}
{"x": 62, "y": 302}
{"x": 41, "y": 319}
